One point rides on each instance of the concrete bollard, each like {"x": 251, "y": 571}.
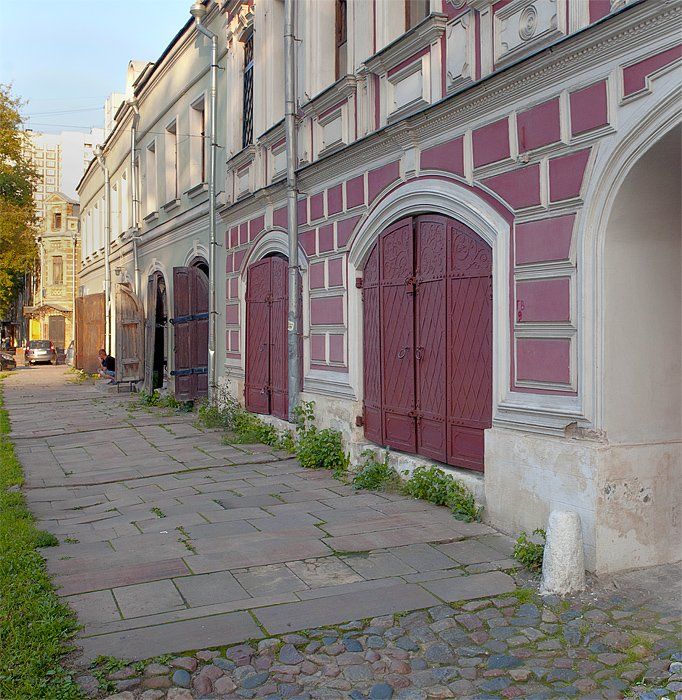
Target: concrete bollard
{"x": 563, "y": 564}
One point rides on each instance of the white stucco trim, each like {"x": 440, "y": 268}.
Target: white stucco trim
{"x": 431, "y": 195}
{"x": 197, "y": 251}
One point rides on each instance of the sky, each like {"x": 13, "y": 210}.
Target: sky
{"x": 64, "y": 57}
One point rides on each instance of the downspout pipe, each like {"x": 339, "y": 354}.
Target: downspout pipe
{"x": 99, "y": 155}
{"x": 134, "y": 189}
{"x": 293, "y": 320}
{"x": 198, "y": 11}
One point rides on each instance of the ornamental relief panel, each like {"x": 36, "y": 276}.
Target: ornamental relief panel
{"x": 461, "y": 56}
{"x": 523, "y": 25}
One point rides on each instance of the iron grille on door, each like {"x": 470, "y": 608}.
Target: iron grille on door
{"x": 247, "y": 126}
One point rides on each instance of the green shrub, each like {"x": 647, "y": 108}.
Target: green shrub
{"x": 528, "y": 552}
{"x": 375, "y": 474}
{"x": 318, "y": 449}
{"x": 221, "y": 413}
{"x": 433, "y": 485}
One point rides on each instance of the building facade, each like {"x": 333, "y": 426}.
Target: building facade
{"x": 489, "y": 241}
{"x": 51, "y": 315}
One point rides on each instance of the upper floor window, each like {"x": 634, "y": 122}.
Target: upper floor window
{"x": 172, "y": 161}
{"x": 56, "y": 221}
{"x": 57, "y": 269}
{"x": 341, "y": 38}
{"x": 150, "y": 185}
{"x": 415, "y": 12}
{"x": 247, "y": 111}
{"x": 197, "y": 143}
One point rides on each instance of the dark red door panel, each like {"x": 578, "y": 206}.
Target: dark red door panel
{"x": 430, "y": 327}
{"x": 279, "y": 377}
{"x": 257, "y": 380}
{"x": 372, "y": 350}
{"x": 199, "y": 329}
{"x": 185, "y": 379}
{"x": 396, "y": 257}
{"x": 469, "y": 346}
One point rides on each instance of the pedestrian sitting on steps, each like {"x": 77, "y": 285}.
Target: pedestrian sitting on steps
{"x": 108, "y": 368}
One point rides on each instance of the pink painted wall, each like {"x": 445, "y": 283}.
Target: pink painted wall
{"x": 539, "y": 126}
{"x": 589, "y": 108}
{"x": 543, "y": 360}
{"x": 326, "y": 310}
{"x": 634, "y": 76}
{"x": 380, "y": 178}
{"x": 544, "y": 240}
{"x": 448, "y": 156}
{"x": 491, "y": 143}
{"x": 520, "y": 188}
{"x": 566, "y": 175}
{"x": 543, "y": 300}
{"x": 325, "y": 238}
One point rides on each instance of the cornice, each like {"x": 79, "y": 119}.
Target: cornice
{"x": 341, "y": 89}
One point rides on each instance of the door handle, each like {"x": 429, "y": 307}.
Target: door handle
{"x": 403, "y": 352}
{"x": 419, "y": 352}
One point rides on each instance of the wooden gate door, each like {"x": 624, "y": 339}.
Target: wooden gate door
{"x": 470, "y": 325}
{"x": 190, "y": 323}
{"x": 427, "y": 291}
{"x": 57, "y": 331}
{"x": 150, "y": 332}
{"x": 90, "y": 319}
{"x": 396, "y": 257}
{"x": 266, "y": 388}
{"x": 129, "y": 336}
{"x": 430, "y": 327}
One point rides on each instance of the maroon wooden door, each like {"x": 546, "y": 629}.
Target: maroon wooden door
{"x": 428, "y": 340}
{"x": 430, "y": 351}
{"x": 190, "y": 333}
{"x": 266, "y": 387}
{"x": 470, "y": 323}
{"x": 396, "y": 300}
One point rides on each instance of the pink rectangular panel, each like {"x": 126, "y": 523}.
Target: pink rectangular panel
{"x": 544, "y": 240}
{"x": 279, "y": 217}
{"x": 316, "y": 275}
{"x": 325, "y": 237}
{"x": 334, "y": 199}
{"x": 539, "y": 126}
{"x": 233, "y": 287}
{"x": 317, "y": 206}
{"x": 589, "y": 108}
{"x": 335, "y": 272}
{"x": 317, "y": 348}
{"x": 520, "y": 188}
{"x": 302, "y": 211}
{"x": 344, "y": 230}
{"x": 229, "y": 263}
{"x": 543, "y": 300}
{"x": 447, "y": 156}
{"x": 243, "y": 233}
{"x": 634, "y": 76}
{"x": 543, "y": 360}
{"x": 379, "y": 178}
{"x": 238, "y": 259}
{"x": 256, "y": 226}
{"x": 326, "y": 310}
{"x": 336, "y": 347}
{"x": 491, "y": 143}
{"x": 566, "y": 175}
{"x": 234, "y": 237}
{"x": 234, "y": 341}
{"x": 307, "y": 241}
{"x": 355, "y": 192}
{"x": 599, "y": 9}
{"x": 232, "y": 313}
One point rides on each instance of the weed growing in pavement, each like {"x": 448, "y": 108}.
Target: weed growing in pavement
{"x": 71, "y": 540}
{"x": 435, "y": 486}
{"x": 528, "y": 552}
{"x": 375, "y": 474}
{"x": 318, "y": 449}
{"x": 35, "y": 627}
{"x": 45, "y": 539}
{"x": 156, "y": 398}
{"x": 185, "y": 539}
{"x": 158, "y": 512}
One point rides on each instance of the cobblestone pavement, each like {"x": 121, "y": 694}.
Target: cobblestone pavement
{"x": 172, "y": 541}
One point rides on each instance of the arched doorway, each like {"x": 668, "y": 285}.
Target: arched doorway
{"x": 156, "y": 332}
{"x": 427, "y": 295}
{"x": 190, "y": 326}
{"x": 642, "y": 370}
{"x": 266, "y": 387}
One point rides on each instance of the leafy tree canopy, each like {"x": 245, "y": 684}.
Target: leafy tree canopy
{"x": 17, "y": 222}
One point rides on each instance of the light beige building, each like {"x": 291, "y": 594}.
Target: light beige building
{"x": 51, "y": 316}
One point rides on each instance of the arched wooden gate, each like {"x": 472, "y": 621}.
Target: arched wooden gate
{"x": 427, "y": 291}
{"x": 266, "y": 387}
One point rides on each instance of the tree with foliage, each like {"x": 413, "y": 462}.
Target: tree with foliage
{"x": 17, "y": 212}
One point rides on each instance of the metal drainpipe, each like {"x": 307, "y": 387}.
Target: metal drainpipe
{"x": 134, "y": 192}
{"x": 107, "y": 243}
{"x": 198, "y": 11}
{"x": 293, "y": 324}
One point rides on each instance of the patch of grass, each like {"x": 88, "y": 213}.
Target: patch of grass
{"x": 71, "y": 540}
{"x": 524, "y": 595}
{"x": 435, "y": 486}
{"x": 35, "y": 627}
{"x": 315, "y": 448}
{"x": 156, "y": 398}
{"x": 529, "y": 552}
{"x": 158, "y": 512}
{"x": 375, "y": 474}
{"x": 45, "y": 539}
